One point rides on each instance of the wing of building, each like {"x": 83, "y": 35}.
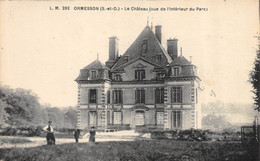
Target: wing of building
{"x": 146, "y": 86}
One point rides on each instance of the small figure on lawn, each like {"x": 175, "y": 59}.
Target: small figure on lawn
{"x": 50, "y": 136}
{"x": 92, "y": 133}
{"x": 76, "y": 134}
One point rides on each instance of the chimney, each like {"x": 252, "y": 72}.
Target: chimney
{"x": 158, "y": 33}
{"x": 113, "y": 51}
{"x": 172, "y": 48}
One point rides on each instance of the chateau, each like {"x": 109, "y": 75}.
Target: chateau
{"x": 146, "y": 86}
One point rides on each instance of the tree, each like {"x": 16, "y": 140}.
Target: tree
{"x": 255, "y": 79}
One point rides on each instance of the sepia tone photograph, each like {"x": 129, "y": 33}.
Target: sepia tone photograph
{"x": 129, "y": 80}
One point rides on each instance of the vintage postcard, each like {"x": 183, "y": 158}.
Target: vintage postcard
{"x": 129, "y": 80}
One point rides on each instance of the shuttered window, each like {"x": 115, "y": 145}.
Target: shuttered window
{"x": 139, "y": 74}
{"x": 117, "y": 118}
{"x": 176, "y": 94}
{"x": 140, "y": 96}
{"x": 159, "y": 95}
{"x": 176, "y": 119}
{"x": 118, "y": 96}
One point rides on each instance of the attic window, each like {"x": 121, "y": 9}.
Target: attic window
{"x": 158, "y": 59}
{"x": 125, "y": 59}
{"x": 93, "y": 74}
{"x": 117, "y": 77}
{"x": 176, "y": 71}
{"x": 144, "y": 47}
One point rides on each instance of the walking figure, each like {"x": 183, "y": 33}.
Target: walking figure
{"x": 92, "y": 133}
{"x": 50, "y": 136}
{"x": 76, "y": 134}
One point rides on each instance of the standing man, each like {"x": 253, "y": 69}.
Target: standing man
{"x": 76, "y": 134}
{"x": 50, "y": 136}
{"x": 92, "y": 133}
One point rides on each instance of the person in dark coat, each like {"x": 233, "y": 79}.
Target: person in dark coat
{"x": 50, "y": 136}
{"x": 76, "y": 134}
{"x": 92, "y": 135}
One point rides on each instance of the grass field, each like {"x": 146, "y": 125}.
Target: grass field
{"x": 136, "y": 150}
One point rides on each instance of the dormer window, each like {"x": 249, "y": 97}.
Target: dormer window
{"x": 117, "y": 77}
{"x": 158, "y": 59}
{"x": 176, "y": 71}
{"x": 144, "y": 47}
{"x": 125, "y": 59}
{"x": 140, "y": 74}
{"x": 93, "y": 74}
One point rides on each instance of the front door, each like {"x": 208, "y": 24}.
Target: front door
{"x": 92, "y": 118}
{"x": 139, "y": 118}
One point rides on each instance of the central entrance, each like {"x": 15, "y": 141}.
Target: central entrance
{"x": 139, "y": 118}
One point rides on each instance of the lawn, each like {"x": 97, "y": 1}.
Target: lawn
{"x": 136, "y": 150}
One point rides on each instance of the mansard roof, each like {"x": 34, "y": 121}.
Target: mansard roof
{"x": 96, "y": 65}
{"x": 153, "y": 48}
{"x": 180, "y": 60}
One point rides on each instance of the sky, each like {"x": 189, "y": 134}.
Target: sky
{"x": 43, "y": 50}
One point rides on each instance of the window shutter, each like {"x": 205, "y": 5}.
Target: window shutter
{"x": 143, "y": 96}
{"x": 181, "y": 94}
{"x": 121, "y": 96}
{"x": 113, "y": 95}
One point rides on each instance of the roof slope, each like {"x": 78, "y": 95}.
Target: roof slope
{"x": 180, "y": 60}
{"x": 153, "y": 48}
{"x": 96, "y": 65}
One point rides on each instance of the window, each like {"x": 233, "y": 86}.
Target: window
{"x": 176, "y": 119}
{"x": 125, "y": 59}
{"x": 158, "y": 59}
{"x": 92, "y": 96}
{"x": 118, "y": 96}
{"x": 140, "y": 96}
{"x": 108, "y": 97}
{"x": 144, "y": 47}
{"x": 176, "y": 94}
{"x": 140, "y": 74}
{"x": 117, "y": 118}
{"x": 196, "y": 95}
{"x": 159, "y": 118}
{"x": 117, "y": 77}
{"x": 159, "y": 95}
{"x": 93, "y": 74}
{"x": 176, "y": 71}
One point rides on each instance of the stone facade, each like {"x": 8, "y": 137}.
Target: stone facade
{"x": 146, "y": 86}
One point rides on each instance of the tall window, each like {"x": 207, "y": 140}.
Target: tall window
{"x": 159, "y": 95}
{"x": 117, "y": 118}
{"x": 118, "y": 97}
{"x": 140, "y": 96}
{"x": 159, "y": 118}
{"x": 140, "y": 74}
{"x": 176, "y": 119}
{"x": 176, "y": 71}
{"x": 93, "y": 74}
{"x": 92, "y": 96}
{"x": 176, "y": 94}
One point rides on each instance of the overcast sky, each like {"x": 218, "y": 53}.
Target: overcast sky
{"x": 44, "y": 50}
